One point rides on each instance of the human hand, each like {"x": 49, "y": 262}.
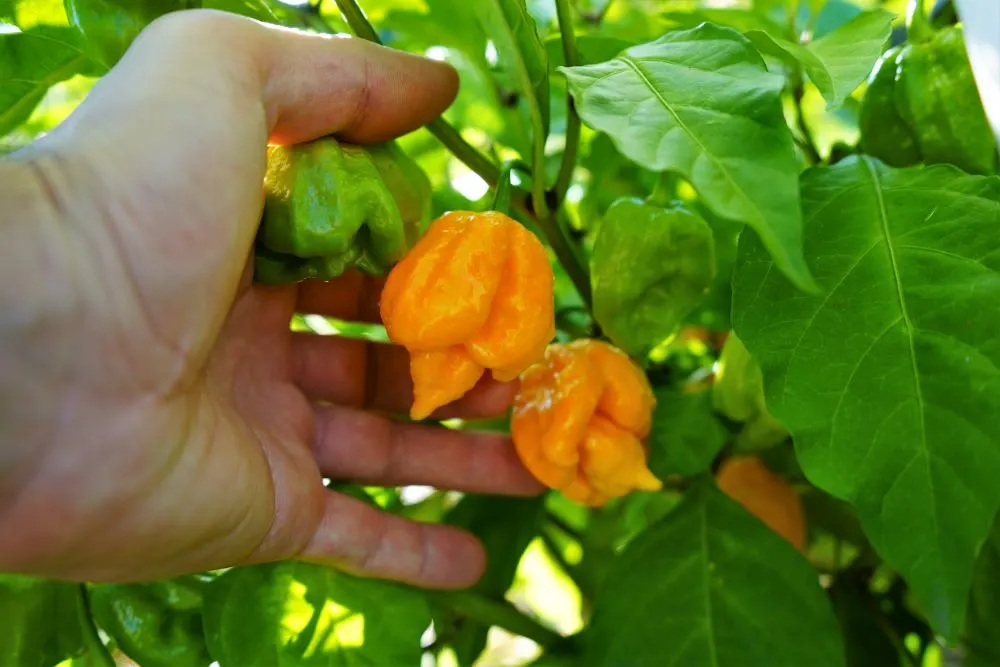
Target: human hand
{"x": 165, "y": 418}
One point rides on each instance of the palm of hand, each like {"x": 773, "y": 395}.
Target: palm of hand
{"x": 213, "y": 445}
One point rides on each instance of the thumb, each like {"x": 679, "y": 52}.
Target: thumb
{"x": 307, "y": 85}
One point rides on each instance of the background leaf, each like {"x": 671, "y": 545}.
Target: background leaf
{"x": 505, "y": 526}
{"x": 711, "y": 586}
{"x": 649, "y": 268}
{"x": 889, "y": 380}
{"x": 520, "y": 54}
{"x": 30, "y": 13}
{"x": 686, "y": 435}
{"x": 294, "y": 613}
{"x": 30, "y": 63}
{"x": 733, "y": 17}
{"x": 701, "y": 102}
{"x": 836, "y": 63}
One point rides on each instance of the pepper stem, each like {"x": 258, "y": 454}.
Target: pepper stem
{"x": 918, "y": 26}
{"x": 501, "y": 200}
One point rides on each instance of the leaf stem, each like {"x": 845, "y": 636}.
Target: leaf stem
{"x": 572, "y": 117}
{"x": 496, "y": 612}
{"x": 918, "y": 26}
{"x": 96, "y": 650}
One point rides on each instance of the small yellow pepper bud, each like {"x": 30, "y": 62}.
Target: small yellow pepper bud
{"x": 474, "y": 293}
{"x": 579, "y": 419}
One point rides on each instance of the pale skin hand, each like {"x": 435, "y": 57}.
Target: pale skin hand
{"x": 157, "y": 417}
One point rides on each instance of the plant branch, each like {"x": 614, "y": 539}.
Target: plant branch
{"x": 572, "y": 117}
{"x": 496, "y": 612}
{"x": 439, "y": 127}
{"x": 561, "y": 524}
{"x": 808, "y": 143}
{"x": 567, "y": 255}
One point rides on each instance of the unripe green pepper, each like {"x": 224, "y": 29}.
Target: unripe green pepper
{"x": 329, "y": 206}
{"x": 156, "y": 625}
{"x": 884, "y": 133}
{"x": 922, "y": 105}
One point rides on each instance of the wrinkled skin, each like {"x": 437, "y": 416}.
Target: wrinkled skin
{"x": 156, "y": 415}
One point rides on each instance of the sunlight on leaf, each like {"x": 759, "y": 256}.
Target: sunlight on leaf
{"x": 889, "y": 380}
{"x": 552, "y": 595}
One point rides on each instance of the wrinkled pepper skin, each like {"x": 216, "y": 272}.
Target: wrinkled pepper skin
{"x": 922, "y": 106}
{"x": 330, "y": 206}
{"x": 579, "y": 420}
{"x": 765, "y": 495}
{"x": 156, "y": 625}
{"x": 474, "y": 294}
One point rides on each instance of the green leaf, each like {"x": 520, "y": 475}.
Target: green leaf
{"x": 982, "y": 629}
{"x": 505, "y": 526}
{"x": 30, "y": 63}
{"x": 686, "y": 435}
{"x": 711, "y": 586}
{"x": 889, "y": 380}
{"x": 521, "y": 56}
{"x": 110, "y": 26}
{"x": 701, "y": 103}
{"x": 649, "y": 268}
{"x": 255, "y": 9}
{"x": 733, "y": 17}
{"x": 294, "y": 613}
{"x": 38, "y": 623}
{"x": 450, "y": 23}
{"x": 836, "y": 63}
{"x": 7, "y": 11}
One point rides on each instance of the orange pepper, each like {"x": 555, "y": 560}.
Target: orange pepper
{"x": 474, "y": 293}
{"x": 579, "y": 419}
{"x": 765, "y": 495}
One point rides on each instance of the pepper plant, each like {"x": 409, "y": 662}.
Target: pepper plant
{"x": 785, "y": 212}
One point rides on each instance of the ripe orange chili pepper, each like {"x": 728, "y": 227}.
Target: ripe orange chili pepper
{"x": 579, "y": 419}
{"x": 765, "y": 495}
{"x": 474, "y": 293}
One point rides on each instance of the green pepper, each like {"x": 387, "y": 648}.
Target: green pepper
{"x": 884, "y": 134}
{"x": 329, "y": 206}
{"x": 153, "y": 624}
{"x": 39, "y": 626}
{"x": 922, "y": 104}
